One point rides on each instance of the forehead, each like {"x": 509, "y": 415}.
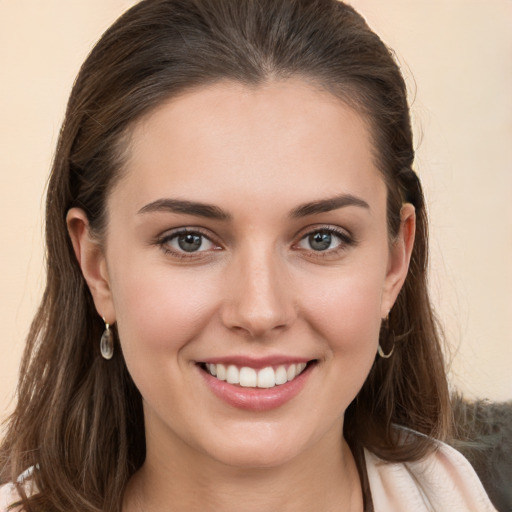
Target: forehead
{"x": 285, "y": 136}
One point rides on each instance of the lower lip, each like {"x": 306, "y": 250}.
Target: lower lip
{"x": 257, "y": 399}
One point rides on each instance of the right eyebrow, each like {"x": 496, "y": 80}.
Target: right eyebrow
{"x": 187, "y": 207}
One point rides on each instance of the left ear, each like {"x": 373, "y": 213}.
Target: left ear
{"x": 399, "y": 258}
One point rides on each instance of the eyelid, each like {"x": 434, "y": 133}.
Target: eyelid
{"x": 315, "y": 228}
{"x": 346, "y": 239}
{"x": 163, "y": 241}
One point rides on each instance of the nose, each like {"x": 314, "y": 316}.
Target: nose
{"x": 259, "y": 300}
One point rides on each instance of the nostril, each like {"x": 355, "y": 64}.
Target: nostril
{"x": 258, "y": 324}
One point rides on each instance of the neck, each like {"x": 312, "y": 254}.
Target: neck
{"x": 324, "y": 479}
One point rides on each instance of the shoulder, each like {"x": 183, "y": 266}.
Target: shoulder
{"x": 8, "y": 496}
{"x": 443, "y": 481}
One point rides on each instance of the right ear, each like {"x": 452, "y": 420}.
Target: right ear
{"x": 90, "y": 256}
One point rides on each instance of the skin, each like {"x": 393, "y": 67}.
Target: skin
{"x": 257, "y": 287}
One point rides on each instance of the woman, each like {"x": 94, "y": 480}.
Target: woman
{"x": 236, "y": 315}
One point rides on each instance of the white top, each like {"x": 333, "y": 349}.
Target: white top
{"x": 444, "y": 481}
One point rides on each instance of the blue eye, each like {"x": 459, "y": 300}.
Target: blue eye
{"x": 324, "y": 240}
{"x": 187, "y": 242}
{"x": 190, "y": 242}
{"x": 320, "y": 241}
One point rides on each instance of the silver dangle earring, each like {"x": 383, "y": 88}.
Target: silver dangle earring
{"x": 107, "y": 342}
{"x": 379, "y": 349}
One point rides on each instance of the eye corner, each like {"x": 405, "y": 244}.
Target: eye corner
{"x": 199, "y": 245}
{"x": 326, "y": 235}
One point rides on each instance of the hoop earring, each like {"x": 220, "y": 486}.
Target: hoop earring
{"x": 379, "y": 348}
{"x": 107, "y": 342}
{"x": 383, "y": 355}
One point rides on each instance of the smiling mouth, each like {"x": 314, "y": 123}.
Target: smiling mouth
{"x": 248, "y": 377}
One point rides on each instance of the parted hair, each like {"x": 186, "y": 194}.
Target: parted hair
{"x": 79, "y": 418}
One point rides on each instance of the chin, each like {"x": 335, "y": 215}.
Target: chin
{"x": 249, "y": 458}
{"x": 263, "y": 449}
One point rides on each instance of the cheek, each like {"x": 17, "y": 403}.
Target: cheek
{"x": 159, "y": 311}
{"x": 345, "y": 310}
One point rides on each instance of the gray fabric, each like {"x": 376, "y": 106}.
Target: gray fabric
{"x": 484, "y": 437}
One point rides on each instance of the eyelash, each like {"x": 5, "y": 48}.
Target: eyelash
{"x": 164, "y": 241}
{"x": 345, "y": 241}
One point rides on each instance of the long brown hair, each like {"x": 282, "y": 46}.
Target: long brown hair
{"x": 78, "y": 417}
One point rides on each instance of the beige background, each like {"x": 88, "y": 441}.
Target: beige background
{"x": 460, "y": 55}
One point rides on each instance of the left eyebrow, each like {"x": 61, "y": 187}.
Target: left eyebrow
{"x": 327, "y": 205}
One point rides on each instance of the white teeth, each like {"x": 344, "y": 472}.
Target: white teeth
{"x": 232, "y": 375}
{"x": 267, "y": 378}
{"x": 250, "y": 378}
{"x": 281, "y": 375}
{"x": 292, "y": 372}
{"x": 220, "y": 371}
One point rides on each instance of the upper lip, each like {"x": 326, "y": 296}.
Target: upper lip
{"x": 256, "y": 362}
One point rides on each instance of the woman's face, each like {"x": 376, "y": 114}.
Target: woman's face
{"x": 247, "y": 238}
